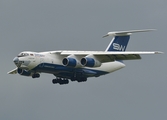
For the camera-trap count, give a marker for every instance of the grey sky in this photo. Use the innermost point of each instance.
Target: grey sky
(137, 92)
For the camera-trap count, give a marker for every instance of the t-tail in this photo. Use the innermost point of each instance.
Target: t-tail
(120, 39)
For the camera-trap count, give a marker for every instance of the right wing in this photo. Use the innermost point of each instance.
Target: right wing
(14, 71)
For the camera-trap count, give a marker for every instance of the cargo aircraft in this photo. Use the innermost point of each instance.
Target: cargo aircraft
(79, 65)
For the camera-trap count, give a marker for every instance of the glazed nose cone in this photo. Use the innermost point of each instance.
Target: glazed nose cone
(16, 61)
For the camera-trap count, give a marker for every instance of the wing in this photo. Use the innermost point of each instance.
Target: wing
(103, 56)
(14, 71)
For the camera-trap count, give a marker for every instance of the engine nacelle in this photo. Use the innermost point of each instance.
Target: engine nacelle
(90, 62)
(71, 62)
(23, 72)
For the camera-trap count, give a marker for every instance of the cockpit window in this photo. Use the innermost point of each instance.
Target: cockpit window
(23, 54)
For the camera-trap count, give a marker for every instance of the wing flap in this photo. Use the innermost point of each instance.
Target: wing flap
(109, 58)
(127, 57)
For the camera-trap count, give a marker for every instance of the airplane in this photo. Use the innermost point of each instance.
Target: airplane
(79, 65)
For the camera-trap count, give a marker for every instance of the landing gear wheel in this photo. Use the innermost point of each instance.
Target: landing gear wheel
(37, 75)
(82, 79)
(54, 81)
(60, 81)
(73, 79)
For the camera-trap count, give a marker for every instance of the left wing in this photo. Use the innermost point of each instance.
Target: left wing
(104, 56)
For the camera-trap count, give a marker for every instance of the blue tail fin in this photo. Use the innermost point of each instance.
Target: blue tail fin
(118, 43)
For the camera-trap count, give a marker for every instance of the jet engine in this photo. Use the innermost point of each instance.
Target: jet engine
(23, 72)
(71, 62)
(90, 62)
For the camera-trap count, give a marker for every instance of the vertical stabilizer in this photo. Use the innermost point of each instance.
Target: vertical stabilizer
(118, 43)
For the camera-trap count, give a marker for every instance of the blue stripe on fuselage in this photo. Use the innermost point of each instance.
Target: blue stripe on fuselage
(63, 71)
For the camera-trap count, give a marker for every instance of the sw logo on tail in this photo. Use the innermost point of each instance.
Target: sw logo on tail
(118, 47)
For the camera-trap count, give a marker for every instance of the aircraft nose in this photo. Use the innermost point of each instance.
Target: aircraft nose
(16, 60)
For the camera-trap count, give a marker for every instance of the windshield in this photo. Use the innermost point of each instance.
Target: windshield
(23, 54)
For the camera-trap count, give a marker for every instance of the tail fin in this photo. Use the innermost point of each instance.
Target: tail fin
(118, 43)
(121, 39)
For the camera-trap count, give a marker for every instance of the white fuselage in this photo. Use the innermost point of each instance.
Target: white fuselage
(46, 62)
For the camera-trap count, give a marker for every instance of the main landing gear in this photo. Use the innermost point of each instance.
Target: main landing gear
(79, 79)
(63, 81)
(60, 81)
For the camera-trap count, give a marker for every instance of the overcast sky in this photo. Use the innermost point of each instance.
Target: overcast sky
(136, 92)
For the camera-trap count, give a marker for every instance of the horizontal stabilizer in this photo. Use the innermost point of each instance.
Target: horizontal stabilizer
(125, 33)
